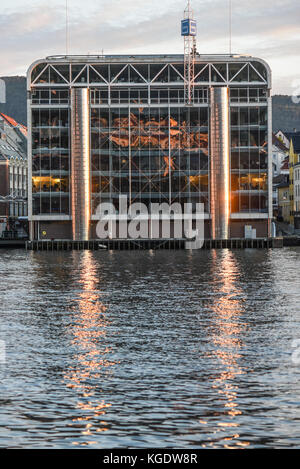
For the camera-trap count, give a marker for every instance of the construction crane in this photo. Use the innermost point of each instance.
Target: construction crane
(189, 32)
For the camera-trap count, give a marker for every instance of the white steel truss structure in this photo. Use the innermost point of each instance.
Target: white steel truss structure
(242, 71)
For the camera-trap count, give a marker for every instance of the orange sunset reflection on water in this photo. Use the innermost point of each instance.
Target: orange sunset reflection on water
(91, 362)
(227, 338)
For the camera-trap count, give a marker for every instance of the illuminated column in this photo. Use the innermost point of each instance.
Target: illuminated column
(80, 163)
(219, 162)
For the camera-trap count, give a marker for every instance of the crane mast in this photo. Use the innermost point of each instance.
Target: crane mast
(189, 32)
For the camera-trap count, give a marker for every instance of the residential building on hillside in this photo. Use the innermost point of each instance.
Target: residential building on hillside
(279, 153)
(297, 196)
(14, 133)
(13, 168)
(283, 189)
(277, 181)
(279, 161)
(285, 136)
(294, 154)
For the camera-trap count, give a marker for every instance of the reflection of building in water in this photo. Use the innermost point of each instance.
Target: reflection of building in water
(145, 142)
(91, 363)
(227, 334)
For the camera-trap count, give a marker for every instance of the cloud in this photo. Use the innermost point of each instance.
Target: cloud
(269, 29)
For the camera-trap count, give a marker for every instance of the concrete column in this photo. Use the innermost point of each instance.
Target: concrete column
(219, 162)
(80, 164)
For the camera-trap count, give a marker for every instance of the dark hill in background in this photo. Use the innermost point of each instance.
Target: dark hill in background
(286, 114)
(15, 105)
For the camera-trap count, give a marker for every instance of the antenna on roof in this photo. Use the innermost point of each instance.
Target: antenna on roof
(230, 27)
(67, 29)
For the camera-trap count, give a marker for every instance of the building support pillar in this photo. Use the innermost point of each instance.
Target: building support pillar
(219, 162)
(80, 164)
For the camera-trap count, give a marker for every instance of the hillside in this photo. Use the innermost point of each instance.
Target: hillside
(286, 114)
(15, 98)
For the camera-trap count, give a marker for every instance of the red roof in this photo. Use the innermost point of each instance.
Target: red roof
(12, 121)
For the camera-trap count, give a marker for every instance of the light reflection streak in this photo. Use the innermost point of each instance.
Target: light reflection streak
(227, 339)
(91, 357)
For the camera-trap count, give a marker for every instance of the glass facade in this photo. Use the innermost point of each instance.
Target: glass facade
(249, 158)
(50, 161)
(144, 141)
(152, 154)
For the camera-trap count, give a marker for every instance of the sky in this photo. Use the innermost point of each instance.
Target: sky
(269, 29)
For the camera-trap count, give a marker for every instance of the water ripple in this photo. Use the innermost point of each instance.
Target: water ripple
(149, 349)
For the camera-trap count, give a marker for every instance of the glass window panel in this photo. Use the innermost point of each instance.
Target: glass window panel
(235, 138)
(222, 69)
(55, 77)
(243, 75)
(235, 160)
(244, 160)
(36, 207)
(143, 69)
(254, 203)
(64, 204)
(203, 116)
(174, 76)
(115, 69)
(124, 76)
(234, 69)
(235, 183)
(94, 76)
(36, 71)
(253, 95)
(254, 159)
(215, 77)
(263, 115)
(244, 116)
(263, 203)
(78, 70)
(45, 205)
(180, 69)
(159, 72)
(244, 203)
(45, 76)
(243, 95)
(263, 138)
(115, 96)
(254, 138)
(244, 138)
(103, 70)
(253, 75)
(234, 116)
(203, 75)
(173, 96)
(263, 159)
(261, 69)
(235, 203)
(254, 116)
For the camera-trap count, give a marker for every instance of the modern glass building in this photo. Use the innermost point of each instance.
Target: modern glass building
(101, 126)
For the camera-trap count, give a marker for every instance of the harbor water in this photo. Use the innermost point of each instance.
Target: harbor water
(145, 349)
